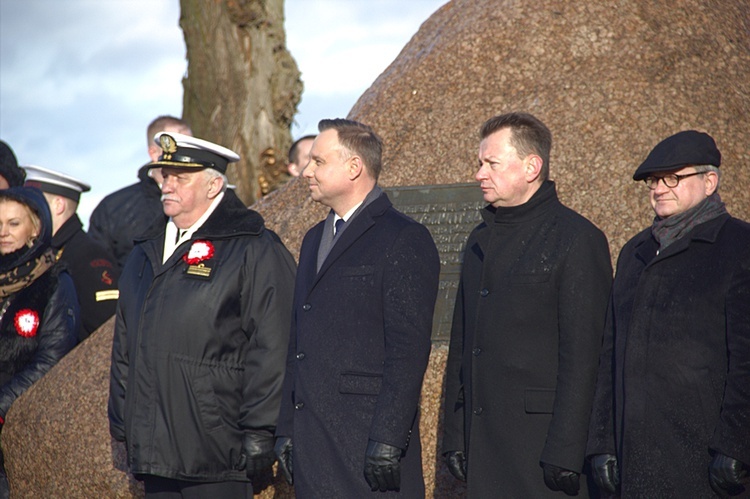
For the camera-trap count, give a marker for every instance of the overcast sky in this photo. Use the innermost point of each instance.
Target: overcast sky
(81, 79)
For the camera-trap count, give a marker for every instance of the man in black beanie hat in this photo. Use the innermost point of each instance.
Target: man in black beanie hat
(10, 174)
(671, 413)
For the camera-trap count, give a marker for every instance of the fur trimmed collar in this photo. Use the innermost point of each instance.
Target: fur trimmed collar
(230, 218)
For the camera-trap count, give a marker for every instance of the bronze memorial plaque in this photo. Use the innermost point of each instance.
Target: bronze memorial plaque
(450, 212)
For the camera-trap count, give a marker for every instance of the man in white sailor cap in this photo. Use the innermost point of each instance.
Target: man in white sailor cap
(90, 265)
(124, 215)
(201, 334)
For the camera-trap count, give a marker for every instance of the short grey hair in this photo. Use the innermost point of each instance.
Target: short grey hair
(710, 168)
(212, 174)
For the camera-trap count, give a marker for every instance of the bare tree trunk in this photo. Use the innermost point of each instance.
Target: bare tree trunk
(242, 86)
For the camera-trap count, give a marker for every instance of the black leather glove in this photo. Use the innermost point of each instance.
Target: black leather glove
(725, 475)
(456, 461)
(283, 451)
(556, 478)
(606, 472)
(382, 466)
(257, 454)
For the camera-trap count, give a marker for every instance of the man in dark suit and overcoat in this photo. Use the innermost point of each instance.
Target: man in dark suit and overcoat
(360, 338)
(527, 326)
(671, 415)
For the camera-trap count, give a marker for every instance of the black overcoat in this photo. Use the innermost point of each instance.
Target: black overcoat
(524, 345)
(677, 339)
(199, 350)
(358, 350)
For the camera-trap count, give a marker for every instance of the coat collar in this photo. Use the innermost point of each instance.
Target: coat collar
(66, 231)
(230, 219)
(707, 232)
(359, 225)
(542, 201)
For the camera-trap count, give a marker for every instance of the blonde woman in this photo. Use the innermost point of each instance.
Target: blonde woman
(39, 317)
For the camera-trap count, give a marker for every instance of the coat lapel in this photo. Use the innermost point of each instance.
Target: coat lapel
(707, 232)
(359, 225)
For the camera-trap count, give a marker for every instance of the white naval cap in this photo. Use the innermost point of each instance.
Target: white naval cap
(54, 182)
(185, 151)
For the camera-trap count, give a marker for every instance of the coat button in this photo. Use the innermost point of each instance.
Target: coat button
(484, 292)
(476, 352)
(306, 307)
(299, 405)
(300, 355)
(478, 411)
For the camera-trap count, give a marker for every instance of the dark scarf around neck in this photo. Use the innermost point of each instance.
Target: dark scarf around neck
(670, 229)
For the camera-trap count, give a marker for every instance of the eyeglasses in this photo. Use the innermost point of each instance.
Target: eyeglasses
(672, 180)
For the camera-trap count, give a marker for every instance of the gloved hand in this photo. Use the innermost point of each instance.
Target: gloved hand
(283, 451)
(725, 474)
(556, 478)
(606, 472)
(456, 461)
(382, 466)
(257, 453)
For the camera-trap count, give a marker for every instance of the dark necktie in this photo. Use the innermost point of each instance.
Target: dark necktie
(337, 226)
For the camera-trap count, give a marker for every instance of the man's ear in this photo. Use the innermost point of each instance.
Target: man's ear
(154, 152)
(533, 167)
(214, 187)
(354, 167)
(712, 182)
(58, 205)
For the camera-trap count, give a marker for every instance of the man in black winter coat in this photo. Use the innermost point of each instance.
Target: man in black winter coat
(126, 215)
(201, 334)
(527, 326)
(92, 268)
(671, 415)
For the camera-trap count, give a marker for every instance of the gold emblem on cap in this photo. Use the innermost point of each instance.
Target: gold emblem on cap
(168, 146)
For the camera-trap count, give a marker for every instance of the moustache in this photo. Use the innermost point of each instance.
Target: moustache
(167, 197)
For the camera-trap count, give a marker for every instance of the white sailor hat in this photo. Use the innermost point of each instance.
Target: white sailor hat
(54, 182)
(184, 151)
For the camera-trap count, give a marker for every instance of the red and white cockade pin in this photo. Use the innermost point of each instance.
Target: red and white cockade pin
(27, 322)
(199, 252)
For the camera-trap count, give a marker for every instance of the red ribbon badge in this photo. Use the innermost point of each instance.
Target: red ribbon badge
(27, 322)
(199, 252)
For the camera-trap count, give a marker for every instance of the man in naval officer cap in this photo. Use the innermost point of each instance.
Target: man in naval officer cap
(671, 414)
(201, 334)
(89, 263)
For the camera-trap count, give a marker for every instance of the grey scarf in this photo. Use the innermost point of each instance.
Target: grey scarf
(670, 229)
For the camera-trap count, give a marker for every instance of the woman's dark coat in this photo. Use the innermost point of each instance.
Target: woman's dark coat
(678, 342)
(524, 345)
(25, 360)
(52, 296)
(358, 350)
(198, 358)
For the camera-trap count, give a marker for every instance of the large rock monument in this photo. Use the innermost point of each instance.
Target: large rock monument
(610, 78)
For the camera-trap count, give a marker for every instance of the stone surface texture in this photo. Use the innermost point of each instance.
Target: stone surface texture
(610, 78)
